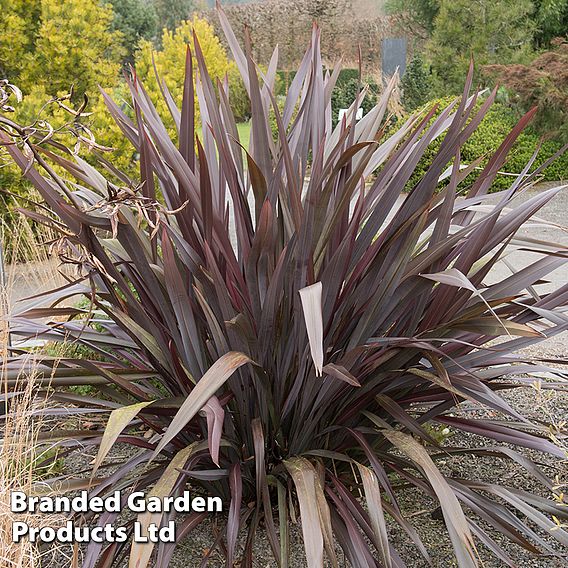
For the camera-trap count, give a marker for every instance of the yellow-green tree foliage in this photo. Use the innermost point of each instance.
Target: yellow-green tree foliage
(48, 47)
(170, 63)
(18, 25)
(170, 60)
(75, 45)
(59, 43)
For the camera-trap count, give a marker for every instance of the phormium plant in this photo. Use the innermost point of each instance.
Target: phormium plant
(285, 331)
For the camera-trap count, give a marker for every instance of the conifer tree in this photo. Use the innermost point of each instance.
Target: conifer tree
(415, 84)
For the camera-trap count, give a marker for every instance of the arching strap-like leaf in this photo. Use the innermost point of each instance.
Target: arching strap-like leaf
(374, 504)
(304, 475)
(486, 325)
(215, 415)
(140, 552)
(118, 420)
(311, 304)
(206, 387)
(283, 519)
(233, 522)
(341, 373)
(454, 517)
(453, 277)
(325, 521)
(262, 490)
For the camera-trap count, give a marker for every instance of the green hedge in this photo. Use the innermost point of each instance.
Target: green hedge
(347, 75)
(492, 130)
(344, 94)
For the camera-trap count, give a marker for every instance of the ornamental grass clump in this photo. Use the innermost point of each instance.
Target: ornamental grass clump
(280, 328)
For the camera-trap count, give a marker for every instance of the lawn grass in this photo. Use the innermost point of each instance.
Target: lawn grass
(243, 129)
(244, 133)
